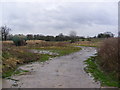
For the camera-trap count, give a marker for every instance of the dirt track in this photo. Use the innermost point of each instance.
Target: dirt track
(61, 72)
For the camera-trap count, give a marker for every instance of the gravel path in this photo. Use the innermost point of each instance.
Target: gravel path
(60, 72)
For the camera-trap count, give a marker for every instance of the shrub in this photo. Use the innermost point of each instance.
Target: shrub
(19, 40)
(108, 55)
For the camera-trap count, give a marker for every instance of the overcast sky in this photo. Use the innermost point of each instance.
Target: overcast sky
(51, 17)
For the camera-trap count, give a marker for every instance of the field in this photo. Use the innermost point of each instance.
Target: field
(103, 67)
(13, 56)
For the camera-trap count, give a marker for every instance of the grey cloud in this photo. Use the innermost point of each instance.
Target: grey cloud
(85, 13)
(52, 18)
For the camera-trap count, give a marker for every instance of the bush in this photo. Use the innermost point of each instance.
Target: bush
(19, 40)
(108, 55)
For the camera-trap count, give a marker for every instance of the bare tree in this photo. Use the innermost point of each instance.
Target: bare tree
(73, 34)
(4, 32)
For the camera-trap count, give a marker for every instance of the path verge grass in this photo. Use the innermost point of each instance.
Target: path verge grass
(106, 79)
(14, 71)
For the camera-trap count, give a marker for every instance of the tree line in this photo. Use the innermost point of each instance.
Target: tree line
(5, 35)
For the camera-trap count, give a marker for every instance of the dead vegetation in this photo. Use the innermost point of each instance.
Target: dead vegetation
(108, 54)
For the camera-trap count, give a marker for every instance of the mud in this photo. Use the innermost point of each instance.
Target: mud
(60, 72)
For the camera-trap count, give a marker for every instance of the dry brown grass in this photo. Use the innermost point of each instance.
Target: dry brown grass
(28, 41)
(37, 42)
(7, 42)
(47, 44)
(14, 55)
(108, 55)
(88, 43)
(34, 41)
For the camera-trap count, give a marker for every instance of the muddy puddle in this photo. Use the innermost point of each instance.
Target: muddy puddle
(43, 52)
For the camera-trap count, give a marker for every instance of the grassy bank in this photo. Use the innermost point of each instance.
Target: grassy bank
(13, 56)
(106, 79)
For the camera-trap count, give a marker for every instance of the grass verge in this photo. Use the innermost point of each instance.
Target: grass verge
(106, 79)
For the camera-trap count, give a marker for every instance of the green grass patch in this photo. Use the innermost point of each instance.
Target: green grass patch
(19, 71)
(61, 50)
(13, 72)
(45, 57)
(8, 73)
(6, 55)
(55, 49)
(67, 51)
(105, 78)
